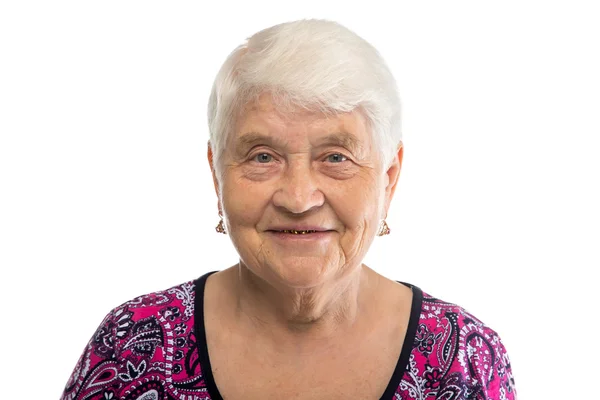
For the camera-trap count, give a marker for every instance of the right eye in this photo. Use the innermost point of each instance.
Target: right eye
(263, 158)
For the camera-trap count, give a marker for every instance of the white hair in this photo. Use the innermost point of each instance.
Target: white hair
(311, 64)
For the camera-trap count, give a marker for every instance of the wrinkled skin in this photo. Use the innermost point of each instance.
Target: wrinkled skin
(296, 170)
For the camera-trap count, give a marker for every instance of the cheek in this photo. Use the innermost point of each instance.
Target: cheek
(356, 203)
(243, 201)
(357, 208)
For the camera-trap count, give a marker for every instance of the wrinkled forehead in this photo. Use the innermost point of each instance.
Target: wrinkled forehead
(281, 110)
(266, 117)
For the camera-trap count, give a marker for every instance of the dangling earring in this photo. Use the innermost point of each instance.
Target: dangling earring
(221, 227)
(384, 229)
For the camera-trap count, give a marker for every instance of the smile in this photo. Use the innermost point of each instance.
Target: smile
(295, 232)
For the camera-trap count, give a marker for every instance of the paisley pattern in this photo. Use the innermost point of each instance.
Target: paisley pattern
(455, 356)
(146, 349)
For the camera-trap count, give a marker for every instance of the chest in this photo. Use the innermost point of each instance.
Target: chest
(362, 372)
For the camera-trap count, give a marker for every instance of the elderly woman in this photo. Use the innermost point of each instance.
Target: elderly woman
(305, 153)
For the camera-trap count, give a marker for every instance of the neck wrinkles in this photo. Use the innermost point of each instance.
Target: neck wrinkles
(316, 315)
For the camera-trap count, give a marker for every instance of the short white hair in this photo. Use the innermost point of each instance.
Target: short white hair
(311, 64)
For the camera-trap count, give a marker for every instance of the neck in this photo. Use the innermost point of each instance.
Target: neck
(295, 316)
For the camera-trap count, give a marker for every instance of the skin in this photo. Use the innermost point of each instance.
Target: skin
(296, 170)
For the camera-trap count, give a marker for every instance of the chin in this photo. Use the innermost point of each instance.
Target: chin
(302, 274)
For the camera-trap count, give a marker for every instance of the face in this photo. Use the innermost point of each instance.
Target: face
(302, 194)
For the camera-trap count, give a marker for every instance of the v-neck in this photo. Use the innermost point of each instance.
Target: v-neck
(388, 394)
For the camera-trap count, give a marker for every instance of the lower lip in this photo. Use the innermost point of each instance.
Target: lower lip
(301, 237)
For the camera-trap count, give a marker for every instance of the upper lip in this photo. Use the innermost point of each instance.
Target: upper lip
(298, 228)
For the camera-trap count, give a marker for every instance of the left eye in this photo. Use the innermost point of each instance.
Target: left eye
(263, 158)
(336, 158)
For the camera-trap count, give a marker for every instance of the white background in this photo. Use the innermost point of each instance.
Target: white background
(105, 192)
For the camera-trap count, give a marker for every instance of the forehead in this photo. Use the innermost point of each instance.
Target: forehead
(265, 117)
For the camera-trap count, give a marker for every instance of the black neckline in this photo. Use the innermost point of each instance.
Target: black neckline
(211, 386)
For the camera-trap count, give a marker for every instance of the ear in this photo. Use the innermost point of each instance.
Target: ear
(392, 175)
(210, 157)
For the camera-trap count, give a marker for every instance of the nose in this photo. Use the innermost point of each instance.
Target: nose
(298, 191)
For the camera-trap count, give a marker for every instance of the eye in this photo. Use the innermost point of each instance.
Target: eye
(263, 158)
(336, 158)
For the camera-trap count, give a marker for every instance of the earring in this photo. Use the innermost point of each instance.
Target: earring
(221, 227)
(384, 229)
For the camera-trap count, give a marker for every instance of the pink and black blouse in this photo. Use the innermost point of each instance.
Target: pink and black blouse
(154, 348)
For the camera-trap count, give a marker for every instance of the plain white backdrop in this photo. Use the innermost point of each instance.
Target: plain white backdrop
(105, 191)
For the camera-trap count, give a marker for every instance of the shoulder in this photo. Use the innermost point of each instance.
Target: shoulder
(437, 313)
(148, 340)
(175, 304)
(171, 303)
(455, 350)
(145, 322)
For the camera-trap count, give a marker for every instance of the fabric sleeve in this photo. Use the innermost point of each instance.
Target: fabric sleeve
(95, 374)
(489, 367)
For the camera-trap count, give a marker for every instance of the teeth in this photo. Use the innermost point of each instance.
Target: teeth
(298, 232)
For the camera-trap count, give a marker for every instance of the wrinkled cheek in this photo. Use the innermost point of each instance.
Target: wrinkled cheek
(243, 207)
(248, 244)
(360, 229)
(243, 204)
(241, 226)
(350, 242)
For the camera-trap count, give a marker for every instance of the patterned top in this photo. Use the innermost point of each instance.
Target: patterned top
(154, 347)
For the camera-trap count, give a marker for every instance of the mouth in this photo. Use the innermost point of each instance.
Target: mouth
(297, 235)
(297, 232)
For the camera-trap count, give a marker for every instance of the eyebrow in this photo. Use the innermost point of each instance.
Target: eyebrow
(340, 139)
(251, 139)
